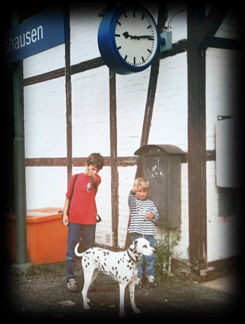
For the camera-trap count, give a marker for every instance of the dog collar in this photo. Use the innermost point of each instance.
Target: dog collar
(131, 258)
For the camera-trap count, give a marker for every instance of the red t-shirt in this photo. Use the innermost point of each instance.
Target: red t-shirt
(82, 208)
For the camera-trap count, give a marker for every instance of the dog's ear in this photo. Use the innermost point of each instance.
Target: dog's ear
(133, 245)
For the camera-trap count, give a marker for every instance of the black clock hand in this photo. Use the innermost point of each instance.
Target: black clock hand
(149, 37)
(145, 36)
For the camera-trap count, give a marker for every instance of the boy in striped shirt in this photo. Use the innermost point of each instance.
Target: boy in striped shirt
(143, 215)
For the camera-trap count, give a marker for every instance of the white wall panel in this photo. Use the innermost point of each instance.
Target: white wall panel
(169, 120)
(45, 119)
(84, 26)
(131, 100)
(90, 112)
(221, 231)
(43, 62)
(222, 69)
(45, 187)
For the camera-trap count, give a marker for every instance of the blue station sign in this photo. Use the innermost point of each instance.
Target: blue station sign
(36, 34)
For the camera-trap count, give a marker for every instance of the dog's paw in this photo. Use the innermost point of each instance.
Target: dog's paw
(121, 314)
(86, 305)
(136, 310)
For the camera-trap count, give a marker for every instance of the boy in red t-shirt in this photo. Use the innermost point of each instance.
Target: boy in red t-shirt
(80, 201)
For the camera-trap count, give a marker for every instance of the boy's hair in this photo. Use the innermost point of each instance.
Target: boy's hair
(143, 182)
(96, 159)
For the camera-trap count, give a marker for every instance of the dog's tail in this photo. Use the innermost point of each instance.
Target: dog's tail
(77, 253)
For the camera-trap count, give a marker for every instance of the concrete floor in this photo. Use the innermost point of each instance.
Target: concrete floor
(230, 284)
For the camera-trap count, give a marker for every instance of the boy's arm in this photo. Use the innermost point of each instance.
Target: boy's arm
(65, 219)
(131, 199)
(154, 215)
(93, 179)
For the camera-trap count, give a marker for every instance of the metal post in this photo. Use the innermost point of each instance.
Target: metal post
(19, 165)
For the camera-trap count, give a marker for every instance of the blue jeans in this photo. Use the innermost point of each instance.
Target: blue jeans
(75, 232)
(148, 259)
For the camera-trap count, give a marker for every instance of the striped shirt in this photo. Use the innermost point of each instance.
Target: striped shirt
(138, 209)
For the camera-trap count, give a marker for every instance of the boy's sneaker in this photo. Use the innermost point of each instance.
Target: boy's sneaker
(151, 282)
(138, 283)
(71, 285)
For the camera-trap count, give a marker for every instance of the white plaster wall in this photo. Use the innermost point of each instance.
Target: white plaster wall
(45, 187)
(182, 249)
(90, 112)
(230, 27)
(45, 119)
(131, 99)
(43, 62)
(221, 230)
(84, 24)
(177, 21)
(222, 69)
(169, 120)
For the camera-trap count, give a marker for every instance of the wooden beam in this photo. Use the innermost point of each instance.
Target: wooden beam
(225, 43)
(113, 151)
(208, 25)
(162, 17)
(68, 110)
(44, 77)
(196, 143)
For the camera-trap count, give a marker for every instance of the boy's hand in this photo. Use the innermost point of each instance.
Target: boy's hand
(134, 190)
(149, 216)
(65, 220)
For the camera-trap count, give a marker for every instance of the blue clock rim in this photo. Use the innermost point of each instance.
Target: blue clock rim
(107, 44)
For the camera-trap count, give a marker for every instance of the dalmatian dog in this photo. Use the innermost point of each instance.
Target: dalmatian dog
(121, 266)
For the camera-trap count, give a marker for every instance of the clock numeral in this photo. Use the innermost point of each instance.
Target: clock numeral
(142, 18)
(148, 27)
(134, 60)
(125, 57)
(149, 50)
(143, 59)
(134, 13)
(125, 15)
(117, 35)
(119, 47)
(118, 22)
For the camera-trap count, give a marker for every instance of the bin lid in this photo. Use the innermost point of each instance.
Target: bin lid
(155, 149)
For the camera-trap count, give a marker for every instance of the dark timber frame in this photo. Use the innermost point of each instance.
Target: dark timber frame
(200, 29)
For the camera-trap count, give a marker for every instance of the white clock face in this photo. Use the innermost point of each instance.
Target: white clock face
(136, 37)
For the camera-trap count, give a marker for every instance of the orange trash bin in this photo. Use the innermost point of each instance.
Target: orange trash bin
(46, 235)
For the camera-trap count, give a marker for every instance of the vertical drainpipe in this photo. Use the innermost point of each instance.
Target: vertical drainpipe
(19, 159)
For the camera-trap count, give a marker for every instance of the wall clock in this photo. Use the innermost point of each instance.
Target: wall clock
(128, 39)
